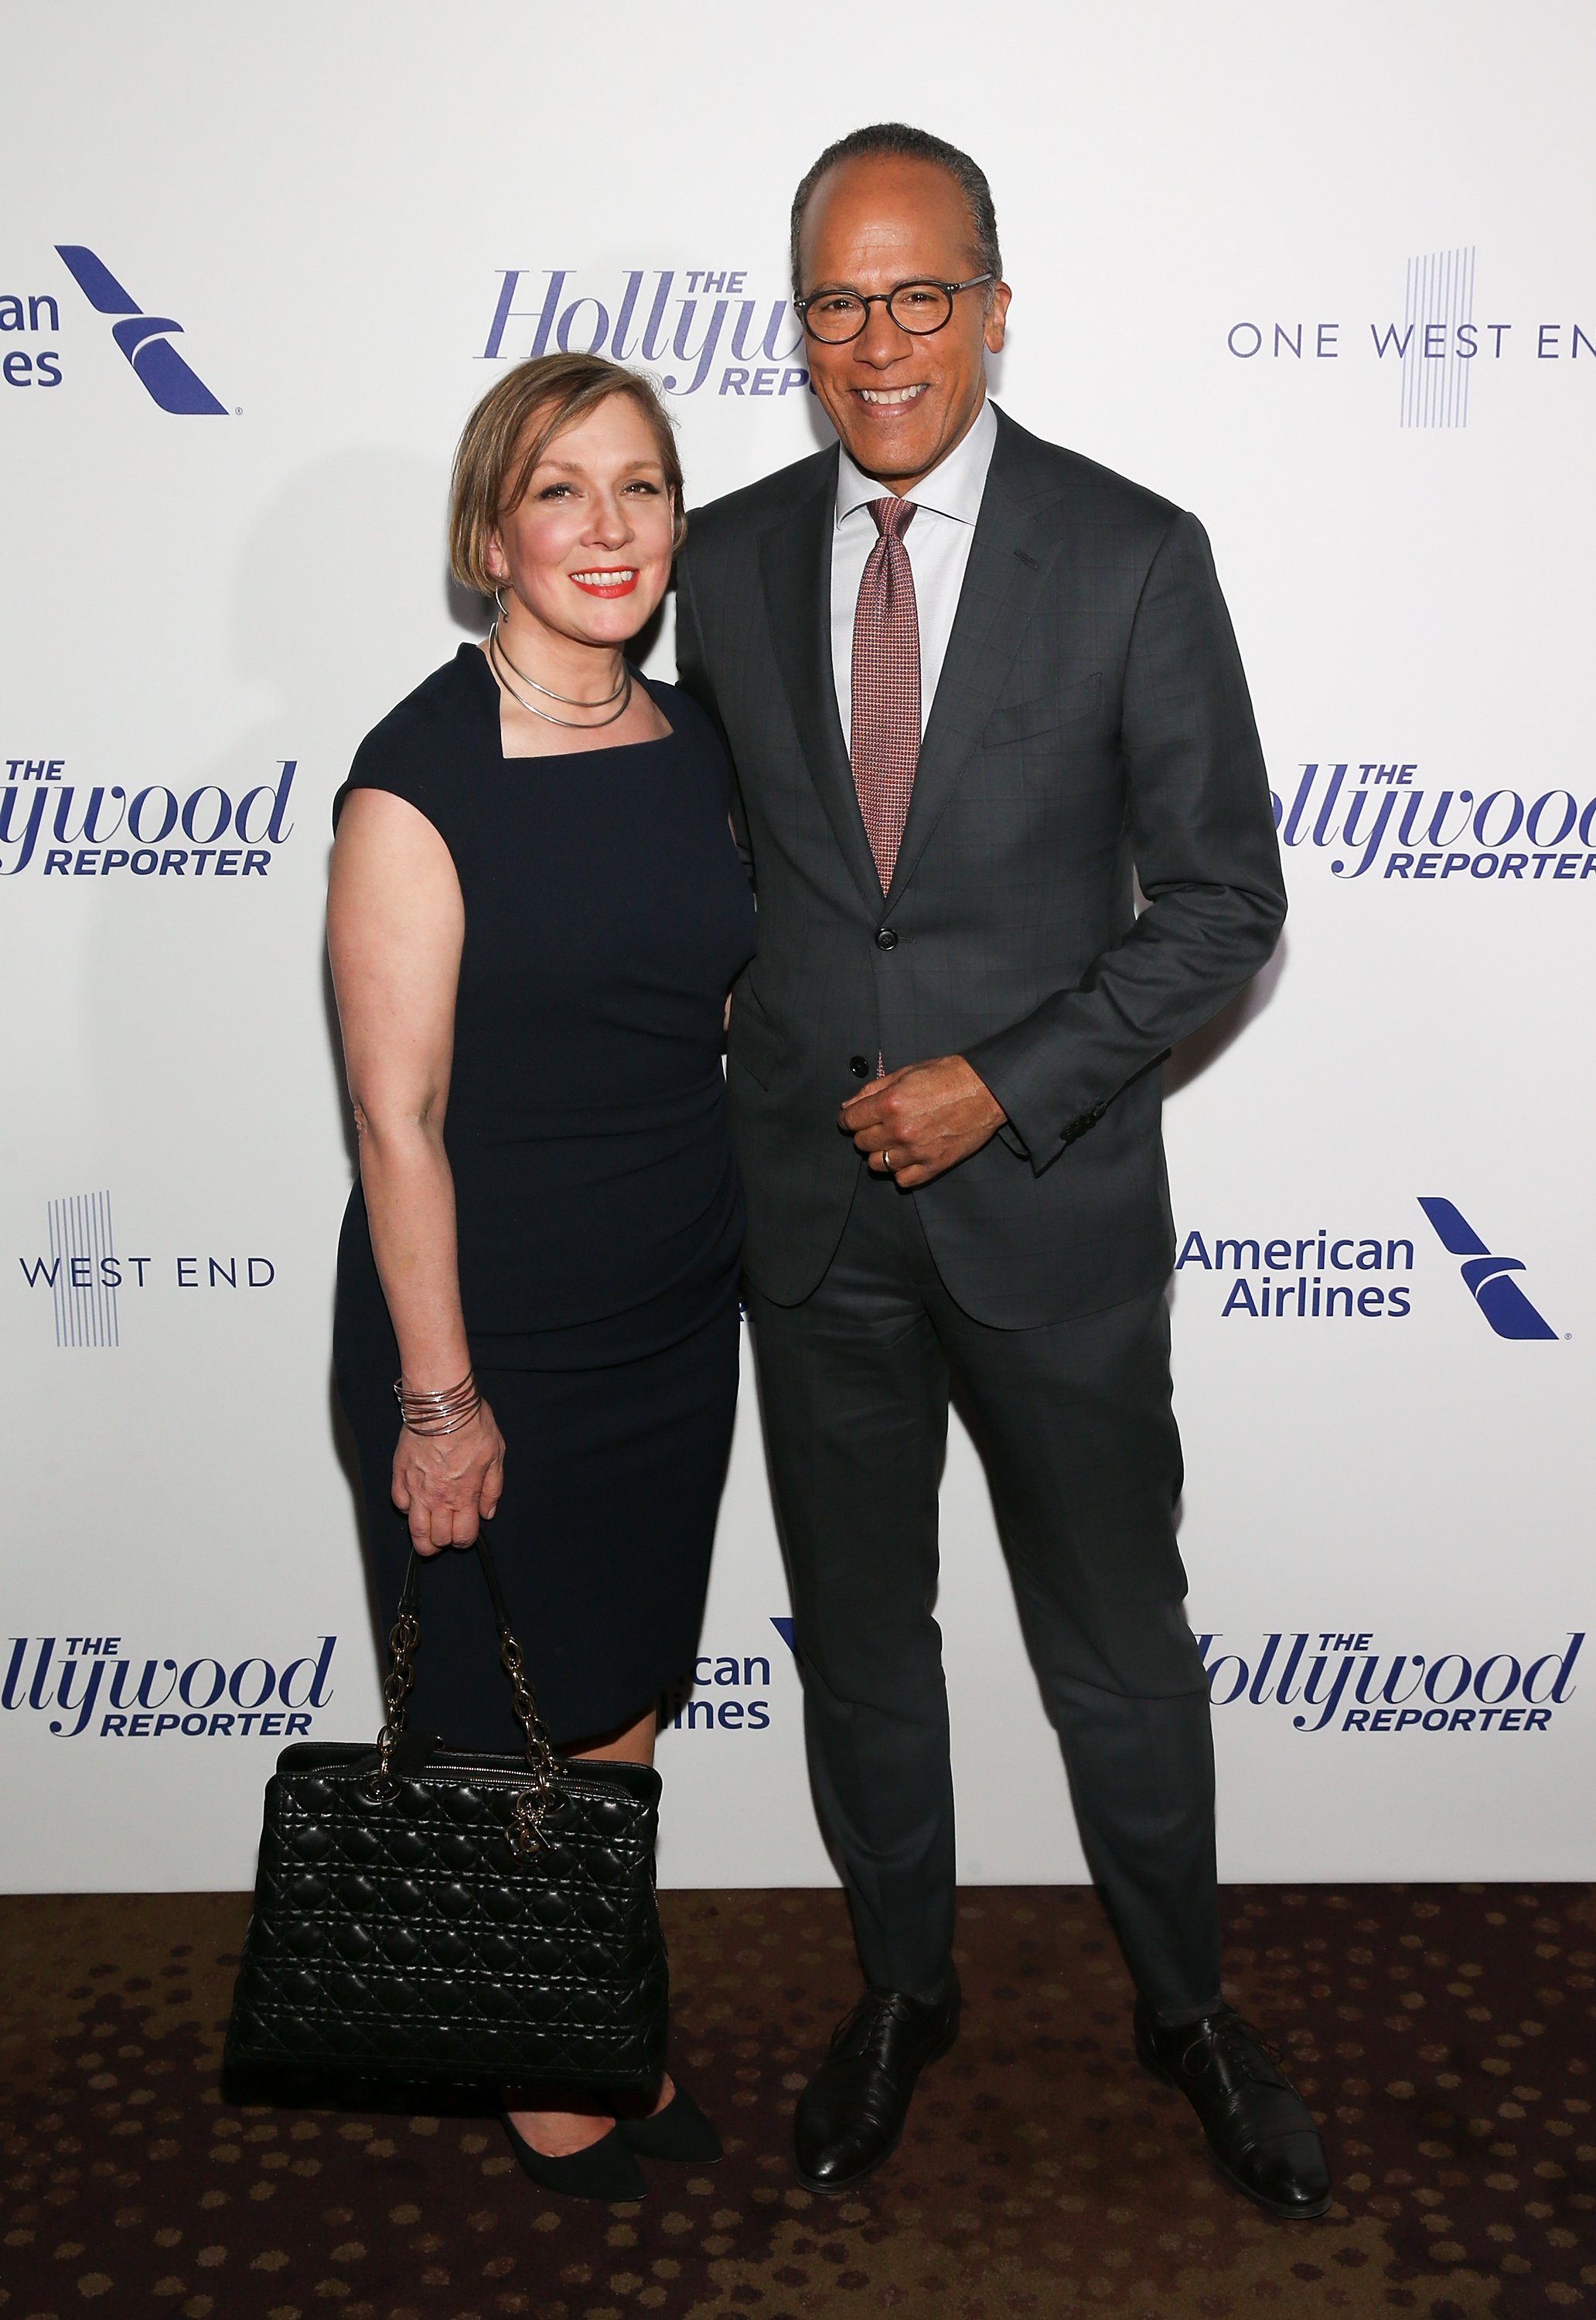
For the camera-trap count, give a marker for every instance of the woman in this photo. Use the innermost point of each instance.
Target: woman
(535, 916)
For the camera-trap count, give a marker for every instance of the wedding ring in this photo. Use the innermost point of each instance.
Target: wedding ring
(886, 1161)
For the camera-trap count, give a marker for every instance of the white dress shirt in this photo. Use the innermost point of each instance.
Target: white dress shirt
(937, 540)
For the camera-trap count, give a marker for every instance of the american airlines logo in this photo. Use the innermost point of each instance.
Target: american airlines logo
(1332, 1274)
(1486, 1277)
(146, 339)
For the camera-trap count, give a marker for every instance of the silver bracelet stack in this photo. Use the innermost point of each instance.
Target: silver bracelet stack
(438, 1413)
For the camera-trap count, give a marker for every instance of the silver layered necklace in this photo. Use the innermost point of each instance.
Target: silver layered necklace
(622, 693)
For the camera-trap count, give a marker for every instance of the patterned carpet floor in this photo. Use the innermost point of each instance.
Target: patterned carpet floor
(1445, 2035)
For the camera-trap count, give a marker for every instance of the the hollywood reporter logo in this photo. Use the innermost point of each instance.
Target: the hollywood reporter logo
(1386, 819)
(1343, 1681)
(683, 321)
(53, 824)
(81, 1684)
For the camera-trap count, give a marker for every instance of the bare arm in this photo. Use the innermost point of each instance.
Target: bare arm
(394, 927)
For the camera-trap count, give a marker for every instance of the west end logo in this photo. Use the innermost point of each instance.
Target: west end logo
(85, 1275)
(1434, 353)
(687, 321)
(1329, 1276)
(146, 339)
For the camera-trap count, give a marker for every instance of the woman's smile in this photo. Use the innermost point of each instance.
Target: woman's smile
(613, 580)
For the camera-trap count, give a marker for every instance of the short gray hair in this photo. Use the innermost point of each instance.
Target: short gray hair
(896, 140)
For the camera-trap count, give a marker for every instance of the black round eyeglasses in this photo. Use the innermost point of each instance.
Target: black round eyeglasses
(920, 308)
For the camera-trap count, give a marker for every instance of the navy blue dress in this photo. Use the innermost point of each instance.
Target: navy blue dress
(598, 1210)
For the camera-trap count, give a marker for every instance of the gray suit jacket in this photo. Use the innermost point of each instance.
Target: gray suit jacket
(1092, 722)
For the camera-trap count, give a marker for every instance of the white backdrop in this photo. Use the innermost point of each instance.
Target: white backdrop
(1325, 278)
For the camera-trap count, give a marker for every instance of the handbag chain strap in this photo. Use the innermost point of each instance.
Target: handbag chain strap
(537, 1803)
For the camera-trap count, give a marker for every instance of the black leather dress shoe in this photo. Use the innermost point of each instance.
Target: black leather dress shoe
(1259, 2129)
(850, 2116)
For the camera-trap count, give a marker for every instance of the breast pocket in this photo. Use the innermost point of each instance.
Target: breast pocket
(1027, 720)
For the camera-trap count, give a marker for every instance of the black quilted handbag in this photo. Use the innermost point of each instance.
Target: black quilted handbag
(429, 1922)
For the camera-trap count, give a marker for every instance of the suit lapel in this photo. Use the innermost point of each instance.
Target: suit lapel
(796, 559)
(1009, 559)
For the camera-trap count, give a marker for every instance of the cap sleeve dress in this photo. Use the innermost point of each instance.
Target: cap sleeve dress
(598, 1212)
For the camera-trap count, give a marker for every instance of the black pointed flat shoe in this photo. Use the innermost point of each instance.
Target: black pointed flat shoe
(605, 2171)
(679, 2131)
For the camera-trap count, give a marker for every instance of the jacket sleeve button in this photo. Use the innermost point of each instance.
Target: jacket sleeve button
(858, 1067)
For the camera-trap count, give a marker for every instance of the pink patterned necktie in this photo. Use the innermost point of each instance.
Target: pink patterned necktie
(885, 740)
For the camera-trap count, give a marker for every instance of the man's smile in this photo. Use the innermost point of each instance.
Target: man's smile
(891, 394)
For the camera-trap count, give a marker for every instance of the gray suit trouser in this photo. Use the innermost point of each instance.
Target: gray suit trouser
(1074, 1426)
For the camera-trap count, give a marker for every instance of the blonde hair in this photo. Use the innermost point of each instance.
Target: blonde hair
(511, 430)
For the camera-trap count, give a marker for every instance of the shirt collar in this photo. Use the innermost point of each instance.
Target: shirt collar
(953, 488)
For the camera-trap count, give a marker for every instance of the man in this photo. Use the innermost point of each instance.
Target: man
(972, 684)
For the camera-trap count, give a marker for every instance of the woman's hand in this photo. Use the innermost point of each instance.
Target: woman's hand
(448, 1484)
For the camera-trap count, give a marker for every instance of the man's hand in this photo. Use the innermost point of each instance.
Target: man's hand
(914, 1123)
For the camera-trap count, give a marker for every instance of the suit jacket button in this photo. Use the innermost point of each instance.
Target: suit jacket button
(886, 939)
(858, 1067)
